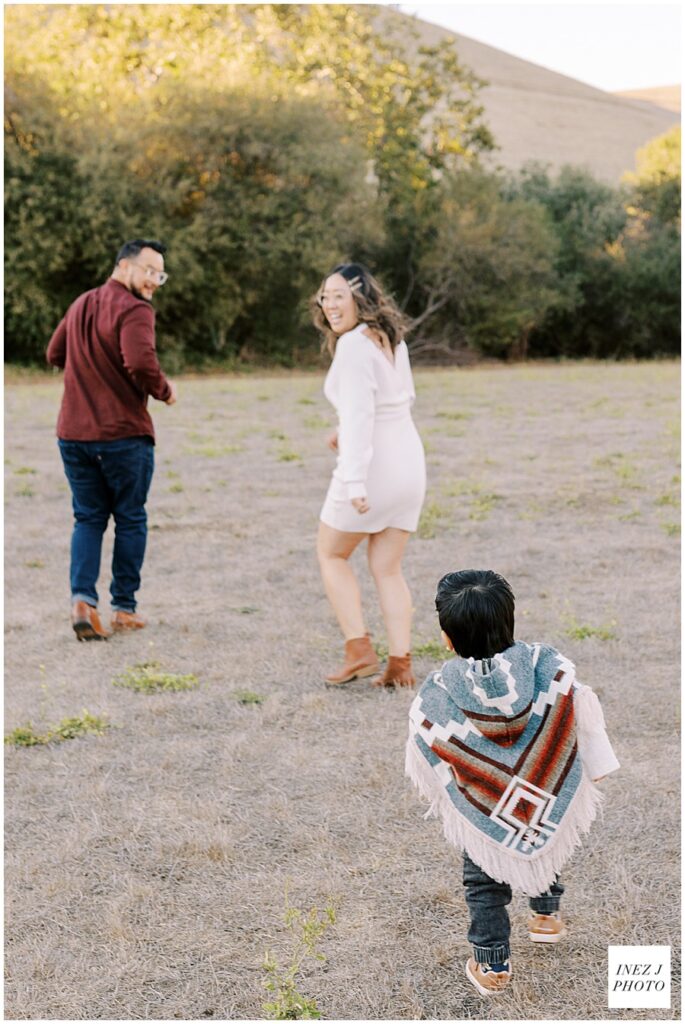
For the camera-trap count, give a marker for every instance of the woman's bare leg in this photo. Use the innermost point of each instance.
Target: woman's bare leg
(333, 548)
(385, 562)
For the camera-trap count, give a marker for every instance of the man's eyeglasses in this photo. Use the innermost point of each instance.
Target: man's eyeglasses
(160, 276)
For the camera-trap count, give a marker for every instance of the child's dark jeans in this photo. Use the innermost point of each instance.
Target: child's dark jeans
(487, 901)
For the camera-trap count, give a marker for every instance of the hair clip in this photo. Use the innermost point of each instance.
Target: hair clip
(355, 284)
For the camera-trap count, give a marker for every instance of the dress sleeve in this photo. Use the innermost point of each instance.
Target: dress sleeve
(594, 747)
(407, 374)
(356, 406)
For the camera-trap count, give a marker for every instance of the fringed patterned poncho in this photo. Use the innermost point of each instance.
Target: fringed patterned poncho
(492, 744)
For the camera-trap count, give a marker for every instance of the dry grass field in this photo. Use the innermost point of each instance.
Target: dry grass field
(147, 867)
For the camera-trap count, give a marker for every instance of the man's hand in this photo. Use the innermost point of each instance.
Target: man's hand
(361, 505)
(332, 441)
(174, 394)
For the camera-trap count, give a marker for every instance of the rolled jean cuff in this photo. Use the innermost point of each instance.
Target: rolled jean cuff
(87, 598)
(545, 904)
(121, 608)
(491, 954)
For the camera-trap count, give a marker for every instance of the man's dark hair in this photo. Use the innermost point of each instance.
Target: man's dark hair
(476, 611)
(136, 245)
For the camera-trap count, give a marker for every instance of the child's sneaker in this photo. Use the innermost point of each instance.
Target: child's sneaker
(488, 978)
(546, 927)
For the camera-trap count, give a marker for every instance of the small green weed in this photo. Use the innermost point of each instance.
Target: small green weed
(248, 697)
(316, 422)
(209, 451)
(668, 499)
(431, 649)
(454, 415)
(672, 529)
(580, 631)
(306, 401)
(176, 489)
(307, 929)
(148, 677)
(432, 519)
(25, 470)
(35, 563)
(289, 456)
(67, 729)
(621, 465)
(482, 501)
(381, 650)
(25, 492)
(25, 736)
(278, 435)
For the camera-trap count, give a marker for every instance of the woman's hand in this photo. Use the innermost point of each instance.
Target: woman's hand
(332, 441)
(361, 504)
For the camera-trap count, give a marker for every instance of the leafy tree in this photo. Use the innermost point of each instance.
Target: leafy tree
(656, 181)
(588, 217)
(486, 279)
(337, 106)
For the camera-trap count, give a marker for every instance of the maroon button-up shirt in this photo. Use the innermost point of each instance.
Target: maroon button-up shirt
(106, 346)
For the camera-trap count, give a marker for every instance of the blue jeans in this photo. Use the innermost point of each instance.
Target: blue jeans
(487, 901)
(108, 478)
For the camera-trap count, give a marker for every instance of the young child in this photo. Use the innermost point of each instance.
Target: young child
(507, 747)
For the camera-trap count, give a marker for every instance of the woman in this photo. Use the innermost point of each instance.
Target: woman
(379, 481)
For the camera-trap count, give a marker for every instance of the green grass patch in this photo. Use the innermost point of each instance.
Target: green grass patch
(35, 563)
(481, 502)
(248, 697)
(316, 422)
(443, 415)
(209, 451)
(306, 401)
(67, 729)
(581, 631)
(668, 499)
(672, 529)
(149, 677)
(433, 518)
(176, 488)
(289, 456)
(25, 471)
(25, 492)
(431, 649)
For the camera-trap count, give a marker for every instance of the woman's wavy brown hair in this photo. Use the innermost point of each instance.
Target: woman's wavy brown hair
(373, 306)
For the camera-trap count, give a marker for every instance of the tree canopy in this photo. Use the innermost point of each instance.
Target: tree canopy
(263, 143)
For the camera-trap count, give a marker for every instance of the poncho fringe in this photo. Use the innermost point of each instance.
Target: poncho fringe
(531, 876)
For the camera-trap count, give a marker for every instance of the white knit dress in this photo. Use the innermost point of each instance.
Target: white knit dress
(380, 454)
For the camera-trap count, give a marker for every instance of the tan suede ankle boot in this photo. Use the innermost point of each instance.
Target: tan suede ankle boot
(360, 661)
(398, 672)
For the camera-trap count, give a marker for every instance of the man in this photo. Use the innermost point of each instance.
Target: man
(106, 346)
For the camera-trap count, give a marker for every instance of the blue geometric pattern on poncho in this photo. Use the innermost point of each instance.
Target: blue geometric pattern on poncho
(499, 736)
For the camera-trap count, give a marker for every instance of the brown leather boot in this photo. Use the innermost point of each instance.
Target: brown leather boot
(123, 622)
(360, 661)
(86, 622)
(398, 672)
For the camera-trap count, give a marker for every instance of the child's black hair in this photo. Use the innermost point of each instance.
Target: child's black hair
(476, 611)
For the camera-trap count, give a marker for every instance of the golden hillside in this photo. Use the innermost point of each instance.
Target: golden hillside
(537, 114)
